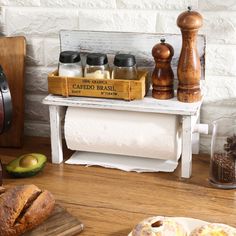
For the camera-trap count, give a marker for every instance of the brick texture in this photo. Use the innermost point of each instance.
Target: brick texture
(36, 79)
(34, 109)
(98, 4)
(221, 60)
(108, 20)
(40, 22)
(228, 5)
(37, 128)
(220, 27)
(51, 51)
(35, 52)
(219, 89)
(21, 3)
(156, 4)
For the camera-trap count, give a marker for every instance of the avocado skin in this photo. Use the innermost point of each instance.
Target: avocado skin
(27, 172)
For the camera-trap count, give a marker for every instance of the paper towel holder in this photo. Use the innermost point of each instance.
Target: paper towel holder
(190, 118)
(189, 114)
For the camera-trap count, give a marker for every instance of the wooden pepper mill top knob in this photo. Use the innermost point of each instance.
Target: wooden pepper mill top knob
(162, 51)
(189, 20)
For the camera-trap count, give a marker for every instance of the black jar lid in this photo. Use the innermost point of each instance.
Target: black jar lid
(124, 60)
(96, 59)
(69, 57)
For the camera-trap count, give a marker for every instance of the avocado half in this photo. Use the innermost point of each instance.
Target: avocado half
(26, 165)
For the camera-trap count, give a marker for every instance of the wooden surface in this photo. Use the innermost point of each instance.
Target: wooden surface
(101, 88)
(12, 55)
(148, 104)
(59, 223)
(110, 202)
(138, 44)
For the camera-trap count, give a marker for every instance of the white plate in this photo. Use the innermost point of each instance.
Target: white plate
(189, 223)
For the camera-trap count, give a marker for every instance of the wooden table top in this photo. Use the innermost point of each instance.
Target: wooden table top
(110, 202)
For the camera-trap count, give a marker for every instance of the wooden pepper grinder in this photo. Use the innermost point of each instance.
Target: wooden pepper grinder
(189, 67)
(163, 76)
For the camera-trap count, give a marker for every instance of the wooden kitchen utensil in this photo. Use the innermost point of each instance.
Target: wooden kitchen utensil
(12, 60)
(60, 223)
(163, 76)
(189, 67)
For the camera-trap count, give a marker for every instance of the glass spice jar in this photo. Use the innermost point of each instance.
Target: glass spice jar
(124, 67)
(70, 64)
(97, 66)
(223, 153)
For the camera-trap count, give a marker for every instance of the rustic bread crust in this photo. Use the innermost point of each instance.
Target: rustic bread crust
(22, 208)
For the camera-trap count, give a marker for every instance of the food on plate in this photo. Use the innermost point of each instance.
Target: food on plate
(214, 230)
(159, 226)
(26, 165)
(22, 208)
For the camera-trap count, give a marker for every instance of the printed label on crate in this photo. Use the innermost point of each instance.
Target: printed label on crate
(94, 85)
(83, 87)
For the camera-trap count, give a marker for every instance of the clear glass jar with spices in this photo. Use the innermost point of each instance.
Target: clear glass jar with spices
(124, 67)
(97, 66)
(223, 153)
(70, 64)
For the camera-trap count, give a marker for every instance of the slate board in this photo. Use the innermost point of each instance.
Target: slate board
(60, 223)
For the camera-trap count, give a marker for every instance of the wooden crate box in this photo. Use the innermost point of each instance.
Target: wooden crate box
(103, 88)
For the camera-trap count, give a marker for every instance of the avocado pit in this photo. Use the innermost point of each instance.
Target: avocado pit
(28, 161)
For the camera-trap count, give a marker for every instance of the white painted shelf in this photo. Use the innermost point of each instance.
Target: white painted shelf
(148, 104)
(188, 111)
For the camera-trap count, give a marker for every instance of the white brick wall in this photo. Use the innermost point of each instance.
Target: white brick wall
(125, 20)
(41, 20)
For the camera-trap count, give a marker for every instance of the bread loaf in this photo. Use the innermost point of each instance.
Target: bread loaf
(22, 208)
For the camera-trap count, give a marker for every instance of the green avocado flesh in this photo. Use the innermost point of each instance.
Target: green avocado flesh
(27, 165)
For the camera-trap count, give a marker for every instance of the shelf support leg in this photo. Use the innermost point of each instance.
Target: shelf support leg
(196, 135)
(56, 136)
(186, 160)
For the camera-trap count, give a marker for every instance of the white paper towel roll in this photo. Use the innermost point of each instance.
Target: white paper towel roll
(122, 132)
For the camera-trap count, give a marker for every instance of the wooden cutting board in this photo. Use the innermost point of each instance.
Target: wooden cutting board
(60, 223)
(12, 60)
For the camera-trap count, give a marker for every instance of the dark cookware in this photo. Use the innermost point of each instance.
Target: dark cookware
(5, 103)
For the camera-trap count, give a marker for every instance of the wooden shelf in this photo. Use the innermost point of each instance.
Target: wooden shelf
(148, 104)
